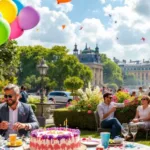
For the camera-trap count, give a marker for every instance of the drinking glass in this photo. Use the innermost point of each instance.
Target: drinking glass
(105, 136)
(125, 132)
(133, 130)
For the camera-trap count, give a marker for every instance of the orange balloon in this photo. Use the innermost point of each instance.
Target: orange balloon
(63, 1)
(63, 26)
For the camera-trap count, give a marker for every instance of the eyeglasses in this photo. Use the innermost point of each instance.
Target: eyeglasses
(110, 97)
(8, 96)
(143, 99)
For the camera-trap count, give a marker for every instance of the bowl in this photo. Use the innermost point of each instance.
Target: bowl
(118, 140)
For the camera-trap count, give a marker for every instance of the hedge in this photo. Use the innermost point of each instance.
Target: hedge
(83, 120)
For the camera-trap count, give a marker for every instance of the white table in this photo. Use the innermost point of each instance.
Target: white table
(137, 147)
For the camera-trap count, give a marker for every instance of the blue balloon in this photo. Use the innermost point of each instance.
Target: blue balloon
(1, 15)
(19, 5)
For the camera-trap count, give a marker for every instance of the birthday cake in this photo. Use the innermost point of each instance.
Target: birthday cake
(55, 139)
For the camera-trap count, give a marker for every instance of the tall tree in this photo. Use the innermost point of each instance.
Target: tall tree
(111, 71)
(9, 61)
(61, 65)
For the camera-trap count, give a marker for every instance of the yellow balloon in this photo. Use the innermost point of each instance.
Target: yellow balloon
(8, 9)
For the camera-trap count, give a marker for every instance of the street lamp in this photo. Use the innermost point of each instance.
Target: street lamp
(42, 68)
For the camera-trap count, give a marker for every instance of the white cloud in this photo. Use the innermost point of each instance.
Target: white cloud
(64, 7)
(33, 3)
(103, 1)
(132, 24)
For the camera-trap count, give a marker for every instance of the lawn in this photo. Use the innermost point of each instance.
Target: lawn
(94, 134)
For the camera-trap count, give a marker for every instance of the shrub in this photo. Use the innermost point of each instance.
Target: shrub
(80, 120)
(34, 107)
(32, 100)
(113, 86)
(88, 100)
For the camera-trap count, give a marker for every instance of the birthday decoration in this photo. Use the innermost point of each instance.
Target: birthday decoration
(4, 30)
(28, 18)
(143, 39)
(63, 1)
(63, 26)
(9, 10)
(15, 18)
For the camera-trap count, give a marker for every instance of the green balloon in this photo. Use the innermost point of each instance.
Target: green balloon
(4, 30)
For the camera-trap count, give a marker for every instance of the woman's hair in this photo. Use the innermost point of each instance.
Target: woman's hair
(146, 98)
(12, 87)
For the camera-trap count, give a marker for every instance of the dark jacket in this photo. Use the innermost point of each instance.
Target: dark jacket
(25, 115)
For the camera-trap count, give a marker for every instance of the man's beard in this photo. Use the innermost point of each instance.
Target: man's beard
(10, 104)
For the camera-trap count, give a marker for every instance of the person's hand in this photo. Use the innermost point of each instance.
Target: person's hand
(113, 109)
(135, 120)
(17, 126)
(4, 125)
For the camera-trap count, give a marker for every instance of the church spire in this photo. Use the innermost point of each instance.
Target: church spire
(86, 48)
(97, 48)
(75, 51)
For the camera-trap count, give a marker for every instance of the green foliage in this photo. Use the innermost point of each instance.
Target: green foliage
(88, 100)
(61, 65)
(73, 84)
(112, 86)
(126, 114)
(33, 100)
(34, 107)
(112, 72)
(130, 79)
(34, 83)
(80, 120)
(9, 61)
(122, 96)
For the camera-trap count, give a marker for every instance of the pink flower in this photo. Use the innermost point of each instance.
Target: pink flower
(114, 99)
(126, 91)
(67, 105)
(89, 111)
(126, 101)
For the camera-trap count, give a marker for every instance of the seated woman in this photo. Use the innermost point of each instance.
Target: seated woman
(142, 117)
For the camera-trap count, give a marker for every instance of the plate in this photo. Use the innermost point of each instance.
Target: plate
(16, 145)
(90, 142)
(115, 144)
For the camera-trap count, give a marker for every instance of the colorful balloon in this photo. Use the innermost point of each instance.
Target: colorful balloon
(8, 9)
(4, 30)
(19, 5)
(63, 1)
(28, 18)
(16, 31)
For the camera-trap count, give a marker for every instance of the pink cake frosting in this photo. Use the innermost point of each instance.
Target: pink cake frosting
(55, 139)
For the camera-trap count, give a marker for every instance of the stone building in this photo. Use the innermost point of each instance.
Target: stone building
(91, 58)
(140, 69)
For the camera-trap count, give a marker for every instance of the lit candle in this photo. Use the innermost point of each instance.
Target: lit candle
(66, 123)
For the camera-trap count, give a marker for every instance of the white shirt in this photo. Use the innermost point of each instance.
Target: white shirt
(13, 118)
(143, 113)
(104, 108)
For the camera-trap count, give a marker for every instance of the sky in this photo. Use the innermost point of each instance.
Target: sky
(117, 26)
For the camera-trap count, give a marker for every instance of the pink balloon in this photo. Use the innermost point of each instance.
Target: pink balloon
(16, 31)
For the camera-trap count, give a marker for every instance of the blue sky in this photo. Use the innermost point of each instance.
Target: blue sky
(86, 9)
(121, 39)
